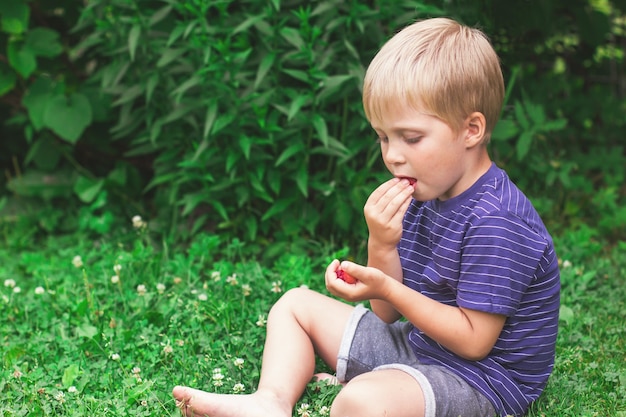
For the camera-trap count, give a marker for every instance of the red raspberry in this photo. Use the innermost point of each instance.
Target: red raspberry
(341, 274)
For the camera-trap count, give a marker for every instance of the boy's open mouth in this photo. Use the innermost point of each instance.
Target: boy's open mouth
(411, 181)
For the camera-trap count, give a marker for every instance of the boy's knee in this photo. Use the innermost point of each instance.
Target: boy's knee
(350, 401)
(291, 300)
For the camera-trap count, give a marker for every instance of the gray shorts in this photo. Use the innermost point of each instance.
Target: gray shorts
(369, 344)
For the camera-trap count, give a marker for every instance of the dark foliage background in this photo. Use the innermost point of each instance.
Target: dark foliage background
(244, 117)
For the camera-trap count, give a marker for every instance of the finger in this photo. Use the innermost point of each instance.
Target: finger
(330, 274)
(392, 202)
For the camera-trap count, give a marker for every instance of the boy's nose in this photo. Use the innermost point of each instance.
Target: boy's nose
(394, 154)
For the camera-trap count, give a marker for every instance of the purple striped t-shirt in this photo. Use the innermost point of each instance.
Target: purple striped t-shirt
(488, 250)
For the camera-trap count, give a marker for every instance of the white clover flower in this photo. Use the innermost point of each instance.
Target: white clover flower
(138, 222)
(324, 411)
(136, 370)
(39, 290)
(115, 357)
(180, 342)
(115, 279)
(276, 287)
(232, 279)
(60, 397)
(246, 289)
(141, 290)
(262, 321)
(17, 290)
(216, 276)
(238, 362)
(72, 390)
(144, 403)
(77, 261)
(160, 288)
(167, 349)
(567, 264)
(203, 297)
(9, 283)
(17, 374)
(238, 388)
(177, 280)
(117, 268)
(303, 410)
(218, 377)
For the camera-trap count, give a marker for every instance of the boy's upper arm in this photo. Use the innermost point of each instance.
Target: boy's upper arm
(486, 330)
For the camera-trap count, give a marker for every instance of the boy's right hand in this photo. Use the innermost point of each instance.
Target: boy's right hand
(384, 212)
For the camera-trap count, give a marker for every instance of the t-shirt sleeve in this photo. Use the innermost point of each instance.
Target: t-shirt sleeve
(500, 256)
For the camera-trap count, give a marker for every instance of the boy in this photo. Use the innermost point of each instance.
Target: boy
(454, 248)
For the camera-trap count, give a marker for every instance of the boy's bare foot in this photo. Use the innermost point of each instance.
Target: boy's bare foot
(196, 403)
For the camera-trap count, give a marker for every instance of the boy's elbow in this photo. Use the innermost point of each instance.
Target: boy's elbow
(473, 352)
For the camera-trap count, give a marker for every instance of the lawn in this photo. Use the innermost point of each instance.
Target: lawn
(107, 327)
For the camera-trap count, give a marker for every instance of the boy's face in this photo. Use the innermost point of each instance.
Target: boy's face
(419, 146)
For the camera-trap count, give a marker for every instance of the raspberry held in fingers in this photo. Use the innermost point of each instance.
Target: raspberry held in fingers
(343, 275)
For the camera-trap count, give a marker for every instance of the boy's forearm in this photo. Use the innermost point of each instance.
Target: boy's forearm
(386, 259)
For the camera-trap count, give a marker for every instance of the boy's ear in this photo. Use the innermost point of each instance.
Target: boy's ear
(475, 127)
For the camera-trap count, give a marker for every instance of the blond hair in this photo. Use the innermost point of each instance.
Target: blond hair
(438, 66)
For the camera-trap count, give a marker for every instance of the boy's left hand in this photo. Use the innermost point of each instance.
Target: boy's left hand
(371, 282)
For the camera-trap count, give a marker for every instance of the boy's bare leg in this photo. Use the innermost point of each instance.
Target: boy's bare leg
(388, 392)
(301, 324)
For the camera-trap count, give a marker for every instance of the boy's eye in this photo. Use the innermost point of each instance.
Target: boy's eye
(380, 139)
(413, 140)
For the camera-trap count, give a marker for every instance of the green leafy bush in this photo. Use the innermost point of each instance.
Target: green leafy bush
(244, 117)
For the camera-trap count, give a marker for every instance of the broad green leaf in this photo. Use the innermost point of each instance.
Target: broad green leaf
(523, 144)
(520, 115)
(69, 375)
(302, 180)
(151, 85)
(223, 121)
(43, 42)
(320, 127)
(554, 125)
(536, 113)
(292, 36)
(297, 74)
(14, 16)
(566, 314)
(129, 95)
(278, 207)
(247, 23)
(296, 105)
(36, 100)
(209, 119)
(133, 40)
(168, 56)
(276, 4)
(119, 174)
(331, 85)
(45, 153)
(293, 149)
(87, 189)
(69, 116)
(181, 89)
(22, 59)
(86, 330)
(137, 391)
(264, 67)
(159, 15)
(221, 210)
(246, 145)
(505, 129)
(7, 79)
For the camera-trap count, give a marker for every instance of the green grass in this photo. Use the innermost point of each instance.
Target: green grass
(76, 342)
